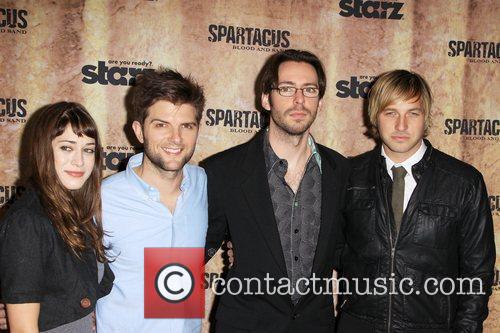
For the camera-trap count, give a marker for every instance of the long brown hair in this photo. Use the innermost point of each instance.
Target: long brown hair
(75, 214)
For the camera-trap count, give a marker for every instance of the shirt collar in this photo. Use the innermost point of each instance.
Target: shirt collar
(147, 191)
(408, 163)
(271, 157)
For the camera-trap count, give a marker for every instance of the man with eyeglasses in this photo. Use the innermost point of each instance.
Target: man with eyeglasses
(278, 198)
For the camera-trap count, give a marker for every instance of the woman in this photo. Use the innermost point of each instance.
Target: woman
(51, 238)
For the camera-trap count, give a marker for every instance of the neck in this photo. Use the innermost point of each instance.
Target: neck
(289, 147)
(401, 157)
(164, 181)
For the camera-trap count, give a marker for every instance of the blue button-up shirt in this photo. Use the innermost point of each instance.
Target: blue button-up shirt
(133, 219)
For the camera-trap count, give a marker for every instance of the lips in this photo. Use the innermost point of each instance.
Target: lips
(172, 151)
(76, 174)
(297, 114)
(400, 137)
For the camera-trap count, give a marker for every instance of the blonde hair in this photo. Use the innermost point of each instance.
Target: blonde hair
(394, 86)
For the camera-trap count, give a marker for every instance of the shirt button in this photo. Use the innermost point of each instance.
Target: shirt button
(295, 316)
(296, 231)
(85, 302)
(296, 258)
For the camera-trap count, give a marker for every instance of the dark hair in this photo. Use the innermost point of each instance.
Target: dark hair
(75, 214)
(269, 73)
(165, 84)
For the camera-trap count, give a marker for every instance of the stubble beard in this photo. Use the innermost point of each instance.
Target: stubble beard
(290, 129)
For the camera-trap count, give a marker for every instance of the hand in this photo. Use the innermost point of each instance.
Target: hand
(3, 317)
(335, 291)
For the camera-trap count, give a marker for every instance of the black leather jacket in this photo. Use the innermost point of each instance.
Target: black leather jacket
(446, 232)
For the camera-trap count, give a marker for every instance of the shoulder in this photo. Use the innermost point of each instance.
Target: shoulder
(26, 217)
(362, 160)
(196, 174)
(331, 154)
(113, 184)
(456, 168)
(226, 158)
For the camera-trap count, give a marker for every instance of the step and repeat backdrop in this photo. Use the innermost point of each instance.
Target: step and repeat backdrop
(90, 52)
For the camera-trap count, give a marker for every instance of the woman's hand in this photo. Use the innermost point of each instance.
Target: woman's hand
(23, 318)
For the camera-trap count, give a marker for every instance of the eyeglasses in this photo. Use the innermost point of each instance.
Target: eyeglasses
(289, 91)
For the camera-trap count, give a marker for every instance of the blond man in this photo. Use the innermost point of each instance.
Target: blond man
(419, 251)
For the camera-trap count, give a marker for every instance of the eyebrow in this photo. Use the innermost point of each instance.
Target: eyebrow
(392, 109)
(74, 142)
(293, 83)
(166, 122)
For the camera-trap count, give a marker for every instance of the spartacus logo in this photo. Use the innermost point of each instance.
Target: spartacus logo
(249, 38)
(10, 192)
(495, 204)
(12, 110)
(355, 87)
(114, 73)
(390, 10)
(473, 129)
(237, 121)
(474, 51)
(13, 20)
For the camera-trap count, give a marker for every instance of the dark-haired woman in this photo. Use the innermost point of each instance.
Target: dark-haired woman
(51, 238)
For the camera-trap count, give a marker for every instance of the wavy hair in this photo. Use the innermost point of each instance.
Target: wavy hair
(75, 214)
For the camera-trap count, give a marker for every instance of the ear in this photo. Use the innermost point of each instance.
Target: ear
(266, 102)
(320, 105)
(137, 127)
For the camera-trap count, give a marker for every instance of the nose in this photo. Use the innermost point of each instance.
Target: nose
(77, 159)
(401, 124)
(175, 136)
(298, 98)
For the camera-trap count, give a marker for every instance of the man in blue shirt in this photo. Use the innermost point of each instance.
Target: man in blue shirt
(158, 201)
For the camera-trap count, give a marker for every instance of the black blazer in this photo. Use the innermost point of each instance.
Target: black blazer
(36, 266)
(240, 209)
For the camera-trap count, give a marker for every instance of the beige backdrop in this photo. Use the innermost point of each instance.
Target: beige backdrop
(47, 51)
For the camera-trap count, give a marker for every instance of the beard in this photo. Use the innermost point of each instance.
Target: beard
(160, 162)
(291, 127)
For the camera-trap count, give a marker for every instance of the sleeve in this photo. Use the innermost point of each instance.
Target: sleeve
(106, 283)
(477, 260)
(217, 222)
(23, 243)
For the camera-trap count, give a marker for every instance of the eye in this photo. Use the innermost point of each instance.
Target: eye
(89, 150)
(415, 113)
(160, 125)
(311, 90)
(66, 148)
(287, 89)
(187, 126)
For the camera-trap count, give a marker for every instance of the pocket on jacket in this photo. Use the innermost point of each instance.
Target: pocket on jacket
(422, 307)
(360, 222)
(435, 225)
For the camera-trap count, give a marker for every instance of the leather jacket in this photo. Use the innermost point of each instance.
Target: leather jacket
(446, 233)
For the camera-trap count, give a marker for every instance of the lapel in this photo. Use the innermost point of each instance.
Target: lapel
(329, 195)
(256, 190)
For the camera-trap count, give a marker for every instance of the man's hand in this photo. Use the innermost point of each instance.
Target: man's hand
(3, 317)
(335, 291)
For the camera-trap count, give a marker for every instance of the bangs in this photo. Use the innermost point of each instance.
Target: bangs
(80, 121)
(402, 89)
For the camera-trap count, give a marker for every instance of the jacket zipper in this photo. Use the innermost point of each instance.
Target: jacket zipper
(393, 250)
